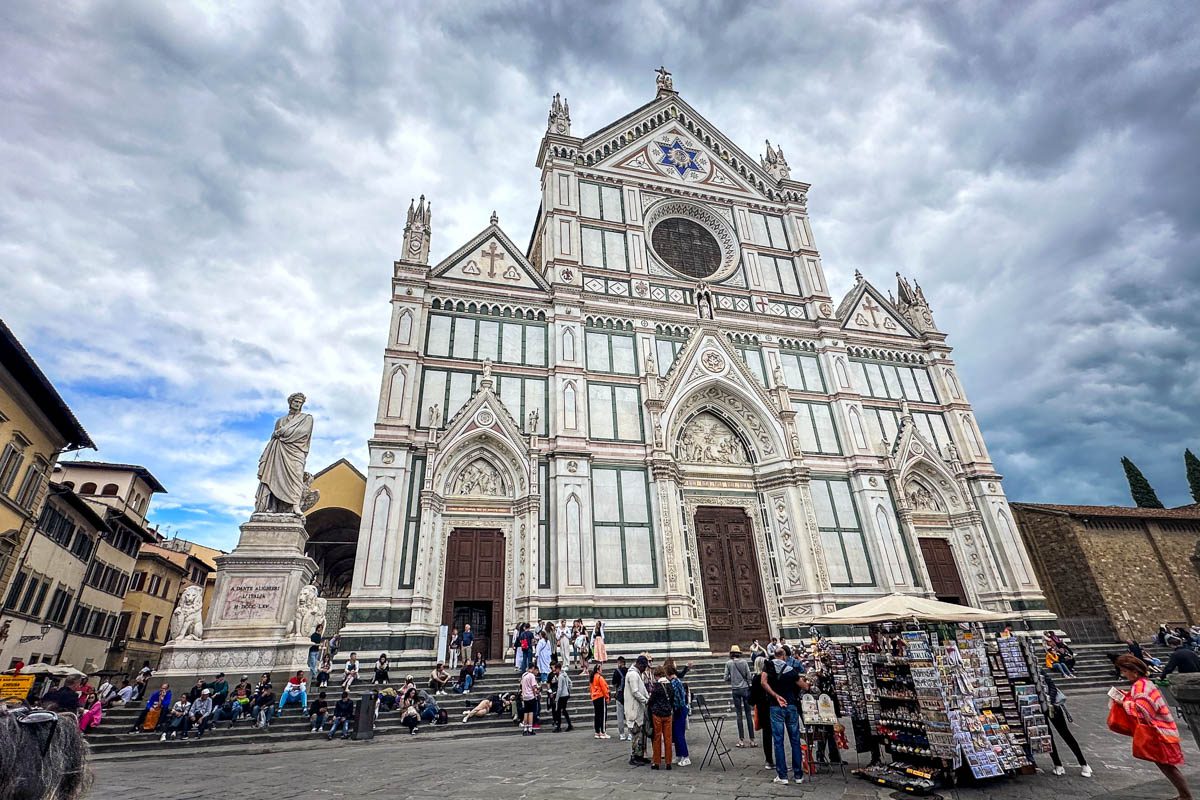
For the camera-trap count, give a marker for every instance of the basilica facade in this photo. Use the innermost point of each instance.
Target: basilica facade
(656, 414)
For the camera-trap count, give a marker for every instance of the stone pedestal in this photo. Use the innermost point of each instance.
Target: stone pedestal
(250, 626)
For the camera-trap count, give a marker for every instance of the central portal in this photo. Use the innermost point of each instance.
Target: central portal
(733, 594)
(474, 588)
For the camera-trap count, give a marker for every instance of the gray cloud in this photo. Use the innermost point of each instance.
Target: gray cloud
(199, 209)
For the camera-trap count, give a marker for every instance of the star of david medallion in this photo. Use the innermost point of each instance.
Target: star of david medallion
(712, 361)
(685, 161)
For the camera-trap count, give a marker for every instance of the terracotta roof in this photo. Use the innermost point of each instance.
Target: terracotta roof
(16, 359)
(1184, 512)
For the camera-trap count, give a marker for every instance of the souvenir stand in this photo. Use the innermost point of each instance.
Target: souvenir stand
(937, 696)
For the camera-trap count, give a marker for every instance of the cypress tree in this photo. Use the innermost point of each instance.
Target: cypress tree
(1139, 487)
(1193, 473)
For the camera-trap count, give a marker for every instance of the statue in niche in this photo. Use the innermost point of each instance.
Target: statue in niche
(533, 421)
(920, 498)
(708, 440)
(478, 478)
(704, 305)
(435, 415)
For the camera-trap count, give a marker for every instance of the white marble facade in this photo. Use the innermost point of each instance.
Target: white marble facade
(666, 343)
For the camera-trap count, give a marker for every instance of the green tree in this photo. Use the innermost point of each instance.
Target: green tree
(1193, 473)
(1139, 487)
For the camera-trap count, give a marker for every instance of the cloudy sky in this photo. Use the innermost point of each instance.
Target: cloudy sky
(199, 207)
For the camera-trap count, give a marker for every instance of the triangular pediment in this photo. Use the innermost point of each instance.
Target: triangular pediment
(491, 258)
(484, 411)
(669, 140)
(709, 364)
(926, 478)
(672, 154)
(485, 420)
(866, 310)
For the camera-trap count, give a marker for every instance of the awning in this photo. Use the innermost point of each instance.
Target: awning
(904, 608)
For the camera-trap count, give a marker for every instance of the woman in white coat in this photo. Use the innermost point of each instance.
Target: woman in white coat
(636, 718)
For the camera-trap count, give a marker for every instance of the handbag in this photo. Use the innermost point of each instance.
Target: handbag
(1149, 745)
(1119, 720)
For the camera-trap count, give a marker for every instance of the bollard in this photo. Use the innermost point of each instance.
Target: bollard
(364, 717)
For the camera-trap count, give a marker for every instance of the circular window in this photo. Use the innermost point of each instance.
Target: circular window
(687, 247)
(691, 240)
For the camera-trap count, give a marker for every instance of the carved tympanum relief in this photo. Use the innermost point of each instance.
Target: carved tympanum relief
(708, 440)
(478, 478)
(920, 498)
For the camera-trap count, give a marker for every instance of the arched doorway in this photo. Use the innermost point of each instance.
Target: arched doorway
(332, 543)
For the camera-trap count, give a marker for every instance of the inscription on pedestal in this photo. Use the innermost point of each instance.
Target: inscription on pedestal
(253, 598)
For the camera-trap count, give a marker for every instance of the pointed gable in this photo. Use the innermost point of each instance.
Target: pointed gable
(709, 356)
(669, 140)
(485, 421)
(491, 258)
(865, 309)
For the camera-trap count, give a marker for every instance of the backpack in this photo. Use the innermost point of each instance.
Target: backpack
(662, 700)
(442, 717)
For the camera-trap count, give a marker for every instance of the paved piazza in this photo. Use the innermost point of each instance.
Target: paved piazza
(575, 766)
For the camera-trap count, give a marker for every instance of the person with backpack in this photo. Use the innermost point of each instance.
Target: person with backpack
(562, 697)
(679, 695)
(525, 646)
(661, 707)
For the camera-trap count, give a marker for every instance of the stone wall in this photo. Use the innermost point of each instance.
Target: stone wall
(1134, 572)
(1061, 564)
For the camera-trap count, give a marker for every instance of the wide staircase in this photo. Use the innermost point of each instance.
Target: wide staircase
(1093, 669)
(112, 740)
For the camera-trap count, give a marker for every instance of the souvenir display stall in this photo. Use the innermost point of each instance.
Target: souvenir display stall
(936, 694)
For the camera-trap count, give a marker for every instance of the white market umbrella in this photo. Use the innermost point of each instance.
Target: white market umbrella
(906, 607)
(66, 671)
(40, 668)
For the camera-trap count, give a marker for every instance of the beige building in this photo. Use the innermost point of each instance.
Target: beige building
(203, 570)
(35, 427)
(332, 524)
(145, 621)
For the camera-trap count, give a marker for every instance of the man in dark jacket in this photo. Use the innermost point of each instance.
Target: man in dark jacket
(343, 712)
(1183, 659)
(64, 698)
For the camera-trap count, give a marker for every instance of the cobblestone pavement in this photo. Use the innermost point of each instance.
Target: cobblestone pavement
(575, 766)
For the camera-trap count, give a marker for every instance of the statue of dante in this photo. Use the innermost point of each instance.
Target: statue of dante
(281, 467)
